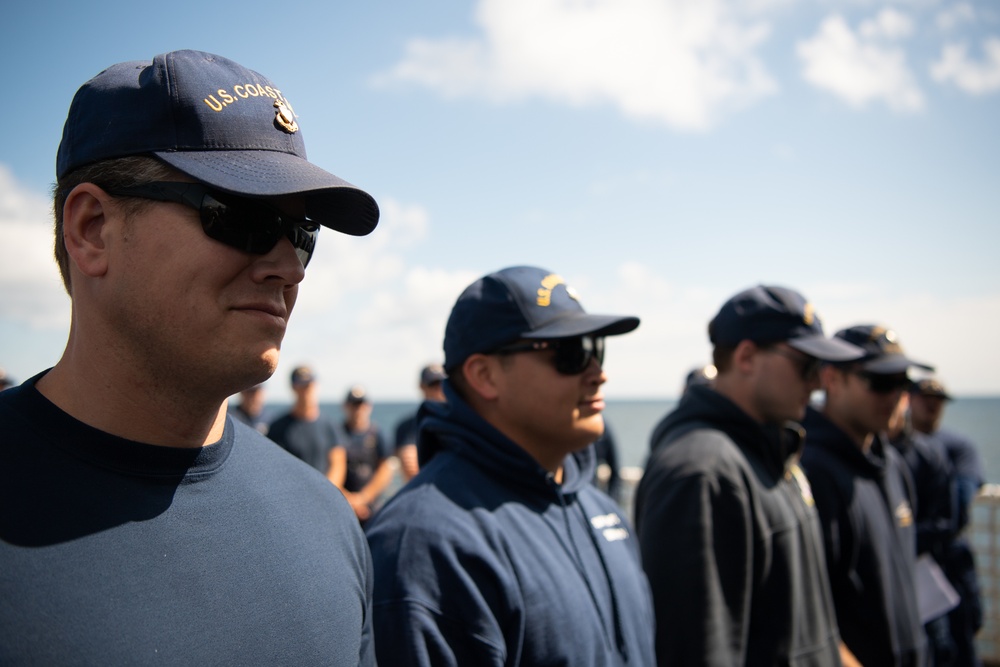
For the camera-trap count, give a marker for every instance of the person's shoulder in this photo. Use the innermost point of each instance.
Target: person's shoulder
(421, 518)
(449, 486)
(929, 449)
(281, 421)
(952, 439)
(279, 466)
(700, 449)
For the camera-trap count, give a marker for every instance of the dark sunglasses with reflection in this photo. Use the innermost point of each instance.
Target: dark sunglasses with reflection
(879, 383)
(807, 366)
(249, 225)
(572, 355)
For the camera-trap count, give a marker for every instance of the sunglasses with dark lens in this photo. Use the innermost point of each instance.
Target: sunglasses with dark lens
(884, 384)
(807, 366)
(572, 356)
(249, 225)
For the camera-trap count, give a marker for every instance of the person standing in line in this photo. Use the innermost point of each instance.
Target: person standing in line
(501, 552)
(927, 401)
(138, 523)
(935, 517)
(730, 538)
(866, 499)
(363, 467)
(250, 409)
(430, 384)
(305, 432)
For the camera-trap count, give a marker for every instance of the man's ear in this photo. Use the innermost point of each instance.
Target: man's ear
(480, 375)
(744, 354)
(830, 375)
(84, 228)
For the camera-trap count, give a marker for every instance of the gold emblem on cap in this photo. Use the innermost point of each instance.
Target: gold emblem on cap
(891, 340)
(904, 515)
(284, 118)
(544, 293)
(808, 313)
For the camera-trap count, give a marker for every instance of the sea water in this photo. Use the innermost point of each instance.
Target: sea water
(632, 422)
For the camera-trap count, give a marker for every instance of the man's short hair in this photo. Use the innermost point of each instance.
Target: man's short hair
(113, 174)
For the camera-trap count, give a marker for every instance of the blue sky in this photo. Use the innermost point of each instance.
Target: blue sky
(660, 155)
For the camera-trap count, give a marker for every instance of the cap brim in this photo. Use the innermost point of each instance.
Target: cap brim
(893, 363)
(827, 349)
(329, 200)
(583, 324)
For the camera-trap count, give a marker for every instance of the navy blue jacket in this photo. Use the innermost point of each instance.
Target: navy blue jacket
(865, 503)
(936, 496)
(482, 559)
(731, 542)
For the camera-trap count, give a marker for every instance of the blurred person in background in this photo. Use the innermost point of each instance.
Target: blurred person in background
(364, 466)
(928, 397)
(304, 431)
(431, 379)
(730, 538)
(866, 499)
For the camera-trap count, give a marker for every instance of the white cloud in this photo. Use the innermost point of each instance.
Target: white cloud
(684, 63)
(865, 66)
(379, 335)
(976, 78)
(955, 16)
(887, 24)
(367, 312)
(29, 278)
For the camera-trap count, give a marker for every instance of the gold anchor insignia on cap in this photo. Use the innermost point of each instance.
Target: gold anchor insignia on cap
(284, 118)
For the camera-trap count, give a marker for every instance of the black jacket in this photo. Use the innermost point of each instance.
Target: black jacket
(865, 502)
(730, 542)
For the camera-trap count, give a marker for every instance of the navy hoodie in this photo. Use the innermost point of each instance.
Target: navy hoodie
(730, 540)
(483, 559)
(865, 502)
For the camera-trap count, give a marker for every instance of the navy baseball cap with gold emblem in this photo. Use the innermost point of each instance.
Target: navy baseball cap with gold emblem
(883, 353)
(521, 302)
(216, 121)
(768, 314)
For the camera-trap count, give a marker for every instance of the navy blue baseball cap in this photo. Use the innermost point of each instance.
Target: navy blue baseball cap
(516, 303)
(214, 120)
(302, 375)
(767, 314)
(930, 387)
(883, 353)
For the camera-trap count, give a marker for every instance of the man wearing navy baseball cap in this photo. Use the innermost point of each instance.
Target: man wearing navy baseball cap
(137, 522)
(500, 551)
(730, 540)
(866, 499)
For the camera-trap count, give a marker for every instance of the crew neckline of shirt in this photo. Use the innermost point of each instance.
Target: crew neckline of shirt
(105, 450)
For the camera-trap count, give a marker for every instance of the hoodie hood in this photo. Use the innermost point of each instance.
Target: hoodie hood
(454, 426)
(703, 407)
(824, 434)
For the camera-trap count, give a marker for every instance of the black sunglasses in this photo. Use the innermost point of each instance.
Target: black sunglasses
(573, 355)
(807, 366)
(250, 225)
(883, 384)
